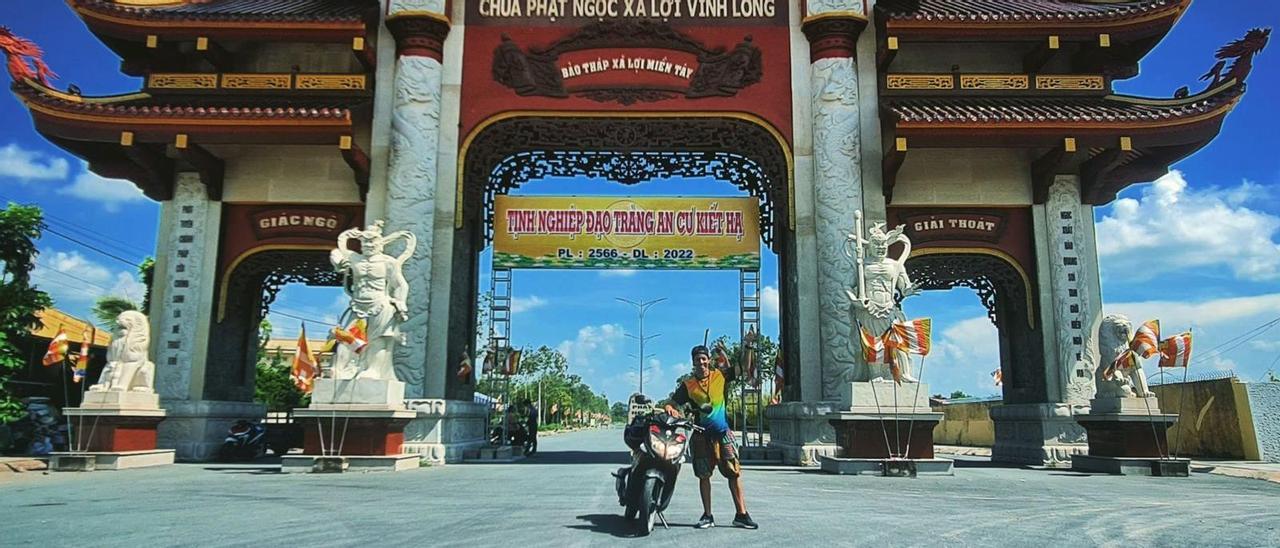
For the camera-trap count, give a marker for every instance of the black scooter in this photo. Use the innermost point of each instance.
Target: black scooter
(245, 441)
(658, 443)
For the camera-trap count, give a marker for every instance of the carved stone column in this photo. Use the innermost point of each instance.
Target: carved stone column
(832, 28)
(176, 315)
(419, 28)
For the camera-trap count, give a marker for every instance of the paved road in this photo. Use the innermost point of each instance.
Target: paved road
(564, 496)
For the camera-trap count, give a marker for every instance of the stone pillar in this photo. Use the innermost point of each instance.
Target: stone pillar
(443, 430)
(1070, 296)
(827, 197)
(182, 308)
(832, 28)
(419, 28)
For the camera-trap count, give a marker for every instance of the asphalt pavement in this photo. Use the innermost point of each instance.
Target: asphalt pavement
(564, 496)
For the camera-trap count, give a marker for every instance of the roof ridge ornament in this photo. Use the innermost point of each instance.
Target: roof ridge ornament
(1240, 53)
(24, 58)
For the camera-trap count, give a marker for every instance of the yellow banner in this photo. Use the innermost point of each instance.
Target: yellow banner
(660, 232)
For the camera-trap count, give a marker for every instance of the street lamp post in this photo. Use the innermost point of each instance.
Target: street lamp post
(642, 308)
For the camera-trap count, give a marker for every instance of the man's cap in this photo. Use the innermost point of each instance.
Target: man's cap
(700, 349)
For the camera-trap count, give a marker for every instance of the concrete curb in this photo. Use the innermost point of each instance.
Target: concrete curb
(20, 465)
(1235, 471)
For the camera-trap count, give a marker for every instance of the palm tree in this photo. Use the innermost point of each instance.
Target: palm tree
(109, 307)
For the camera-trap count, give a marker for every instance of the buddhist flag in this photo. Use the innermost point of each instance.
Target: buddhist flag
(779, 379)
(464, 369)
(997, 377)
(513, 361)
(1146, 340)
(1175, 351)
(57, 351)
(486, 365)
(749, 356)
(1125, 360)
(353, 335)
(873, 349)
(911, 336)
(82, 359)
(304, 368)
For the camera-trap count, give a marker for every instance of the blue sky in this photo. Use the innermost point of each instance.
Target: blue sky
(1198, 248)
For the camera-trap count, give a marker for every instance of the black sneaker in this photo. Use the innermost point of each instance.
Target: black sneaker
(705, 522)
(745, 521)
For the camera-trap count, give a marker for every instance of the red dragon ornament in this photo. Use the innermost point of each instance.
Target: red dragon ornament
(21, 55)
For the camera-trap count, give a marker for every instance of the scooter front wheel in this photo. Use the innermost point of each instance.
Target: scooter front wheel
(648, 507)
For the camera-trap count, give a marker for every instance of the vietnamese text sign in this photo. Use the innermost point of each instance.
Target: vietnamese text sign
(626, 232)
(551, 12)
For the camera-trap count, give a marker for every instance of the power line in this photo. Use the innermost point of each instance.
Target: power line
(118, 244)
(94, 248)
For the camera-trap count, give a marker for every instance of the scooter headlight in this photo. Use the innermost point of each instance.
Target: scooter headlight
(658, 444)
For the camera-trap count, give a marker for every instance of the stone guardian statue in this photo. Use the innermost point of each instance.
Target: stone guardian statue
(128, 369)
(882, 284)
(376, 285)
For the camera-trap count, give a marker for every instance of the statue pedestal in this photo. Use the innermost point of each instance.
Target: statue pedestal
(446, 431)
(885, 439)
(1127, 436)
(371, 394)
(353, 425)
(113, 431)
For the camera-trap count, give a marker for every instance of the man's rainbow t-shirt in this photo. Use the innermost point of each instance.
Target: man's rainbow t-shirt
(712, 390)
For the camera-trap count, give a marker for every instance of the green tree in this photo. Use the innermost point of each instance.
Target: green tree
(147, 274)
(959, 395)
(108, 308)
(20, 227)
(618, 412)
(272, 385)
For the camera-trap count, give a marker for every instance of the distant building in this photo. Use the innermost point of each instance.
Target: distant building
(55, 382)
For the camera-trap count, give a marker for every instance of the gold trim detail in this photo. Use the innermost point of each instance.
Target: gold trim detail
(839, 14)
(231, 267)
(900, 144)
(1070, 82)
(415, 14)
(331, 81)
(170, 80)
(919, 81)
(256, 81)
(1026, 280)
(476, 131)
(1069, 144)
(994, 81)
(1054, 42)
(1126, 143)
(892, 43)
(126, 138)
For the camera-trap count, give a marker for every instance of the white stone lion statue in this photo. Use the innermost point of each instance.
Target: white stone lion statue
(1107, 341)
(128, 368)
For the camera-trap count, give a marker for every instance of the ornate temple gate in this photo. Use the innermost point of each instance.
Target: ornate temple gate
(997, 115)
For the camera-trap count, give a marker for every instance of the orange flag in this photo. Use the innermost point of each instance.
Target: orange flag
(1146, 340)
(304, 368)
(82, 359)
(1175, 351)
(57, 351)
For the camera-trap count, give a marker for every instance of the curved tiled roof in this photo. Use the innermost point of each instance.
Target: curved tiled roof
(1056, 110)
(239, 10)
(141, 105)
(1016, 11)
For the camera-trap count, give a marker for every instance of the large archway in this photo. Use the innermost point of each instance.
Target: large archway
(514, 148)
(1006, 293)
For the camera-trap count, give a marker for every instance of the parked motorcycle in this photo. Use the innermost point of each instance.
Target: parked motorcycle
(658, 443)
(517, 436)
(245, 441)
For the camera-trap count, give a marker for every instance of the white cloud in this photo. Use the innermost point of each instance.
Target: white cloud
(1271, 346)
(75, 281)
(1182, 315)
(525, 304)
(110, 193)
(769, 301)
(1171, 227)
(29, 165)
(618, 273)
(963, 357)
(594, 345)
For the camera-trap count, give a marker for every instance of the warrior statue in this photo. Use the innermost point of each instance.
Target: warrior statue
(128, 368)
(376, 285)
(882, 284)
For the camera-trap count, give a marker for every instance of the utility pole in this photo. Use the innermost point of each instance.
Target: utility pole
(642, 308)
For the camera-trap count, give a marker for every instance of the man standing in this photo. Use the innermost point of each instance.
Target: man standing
(707, 391)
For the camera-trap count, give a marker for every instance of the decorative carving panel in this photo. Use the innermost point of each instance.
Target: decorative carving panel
(1070, 82)
(628, 150)
(919, 81)
(331, 81)
(257, 81)
(994, 81)
(182, 81)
